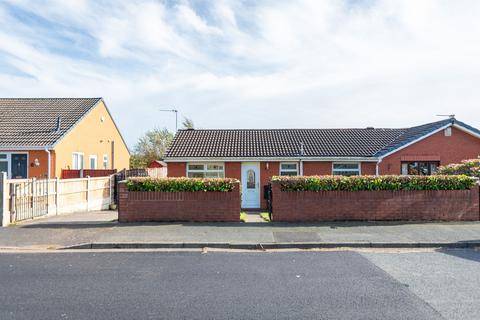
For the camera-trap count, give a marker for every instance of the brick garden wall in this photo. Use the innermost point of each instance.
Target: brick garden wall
(178, 206)
(308, 206)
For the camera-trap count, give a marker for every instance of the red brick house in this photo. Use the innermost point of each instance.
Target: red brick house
(254, 156)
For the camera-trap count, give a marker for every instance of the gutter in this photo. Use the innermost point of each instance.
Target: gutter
(241, 159)
(377, 167)
(24, 148)
(49, 162)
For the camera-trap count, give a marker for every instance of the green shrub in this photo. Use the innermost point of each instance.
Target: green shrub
(372, 183)
(181, 184)
(469, 168)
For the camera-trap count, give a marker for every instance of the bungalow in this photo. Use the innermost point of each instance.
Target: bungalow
(254, 156)
(40, 137)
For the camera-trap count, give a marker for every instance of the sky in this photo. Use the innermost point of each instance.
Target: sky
(248, 64)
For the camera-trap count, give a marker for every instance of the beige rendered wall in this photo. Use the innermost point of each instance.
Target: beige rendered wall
(92, 136)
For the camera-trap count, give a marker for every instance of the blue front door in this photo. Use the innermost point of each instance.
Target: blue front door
(19, 166)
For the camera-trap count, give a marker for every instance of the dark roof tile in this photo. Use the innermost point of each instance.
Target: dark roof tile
(32, 122)
(271, 143)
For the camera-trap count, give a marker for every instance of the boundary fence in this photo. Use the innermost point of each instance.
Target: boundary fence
(23, 199)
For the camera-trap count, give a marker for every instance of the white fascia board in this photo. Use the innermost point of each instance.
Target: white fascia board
(294, 159)
(25, 148)
(415, 141)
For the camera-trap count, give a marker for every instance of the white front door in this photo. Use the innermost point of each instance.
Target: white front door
(250, 185)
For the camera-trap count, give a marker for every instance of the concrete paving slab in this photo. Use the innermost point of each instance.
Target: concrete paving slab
(101, 227)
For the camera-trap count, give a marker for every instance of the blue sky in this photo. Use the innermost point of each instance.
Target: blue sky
(248, 64)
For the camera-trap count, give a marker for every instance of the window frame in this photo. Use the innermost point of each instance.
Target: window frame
(359, 170)
(8, 160)
(78, 154)
(105, 161)
(90, 158)
(429, 165)
(205, 170)
(280, 170)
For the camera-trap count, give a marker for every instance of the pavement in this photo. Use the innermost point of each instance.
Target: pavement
(100, 230)
(192, 285)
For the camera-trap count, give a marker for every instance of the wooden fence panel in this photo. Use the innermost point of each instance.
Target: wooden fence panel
(30, 198)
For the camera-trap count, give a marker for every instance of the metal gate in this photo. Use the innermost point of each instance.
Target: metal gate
(28, 199)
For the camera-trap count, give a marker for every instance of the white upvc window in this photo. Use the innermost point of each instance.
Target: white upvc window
(15, 164)
(93, 161)
(105, 161)
(288, 168)
(205, 170)
(77, 160)
(346, 168)
(4, 163)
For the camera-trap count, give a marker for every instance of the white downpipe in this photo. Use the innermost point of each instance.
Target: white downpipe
(49, 162)
(377, 167)
(301, 167)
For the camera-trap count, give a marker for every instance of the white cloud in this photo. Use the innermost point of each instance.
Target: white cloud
(250, 64)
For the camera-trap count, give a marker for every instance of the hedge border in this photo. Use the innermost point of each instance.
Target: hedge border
(181, 184)
(373, 183)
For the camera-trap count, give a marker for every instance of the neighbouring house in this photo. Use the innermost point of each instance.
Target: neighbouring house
(157, 164)
(40, 137)
(254, 156)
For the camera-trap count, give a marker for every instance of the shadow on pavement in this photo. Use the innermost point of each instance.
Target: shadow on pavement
(69, 225)
(472, 254)
(273, 225)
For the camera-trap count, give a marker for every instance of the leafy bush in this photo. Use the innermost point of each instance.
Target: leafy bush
(180, 184)
(469, 168)
(362, 183)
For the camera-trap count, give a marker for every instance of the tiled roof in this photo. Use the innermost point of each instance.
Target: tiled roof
(32, 122)
(271, 143)
(412, 134)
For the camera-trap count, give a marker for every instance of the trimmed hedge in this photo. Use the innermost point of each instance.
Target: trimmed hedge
(373, 183)
(181, 184)
(470, 167)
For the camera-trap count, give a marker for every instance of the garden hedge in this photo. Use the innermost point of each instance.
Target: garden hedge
(470, 167)
(373, 183)
(181, 184)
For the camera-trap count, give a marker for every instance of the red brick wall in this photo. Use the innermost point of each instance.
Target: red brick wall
(317, 168)
(178, 206)
(451, 149)
(310, 206)
(369, 168)
(233, 170)
(265, 176)
(177, 169)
